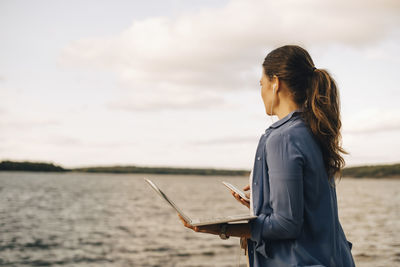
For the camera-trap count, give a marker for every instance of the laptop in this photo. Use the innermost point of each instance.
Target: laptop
(199, 222)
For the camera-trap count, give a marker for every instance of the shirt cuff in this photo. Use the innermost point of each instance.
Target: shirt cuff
(256, 227)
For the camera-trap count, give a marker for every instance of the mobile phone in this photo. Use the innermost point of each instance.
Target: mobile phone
(236, 190)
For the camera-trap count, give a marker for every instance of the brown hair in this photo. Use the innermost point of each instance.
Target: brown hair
(316, 92)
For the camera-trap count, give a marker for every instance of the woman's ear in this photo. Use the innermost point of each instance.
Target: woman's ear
(275, 85)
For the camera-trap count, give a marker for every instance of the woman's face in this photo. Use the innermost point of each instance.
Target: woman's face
(267, 91)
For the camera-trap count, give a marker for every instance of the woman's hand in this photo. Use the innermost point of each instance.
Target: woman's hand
(238, 229)
(209, 229)
(242, 200)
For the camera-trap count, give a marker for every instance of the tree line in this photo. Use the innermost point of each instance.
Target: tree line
(372, 171)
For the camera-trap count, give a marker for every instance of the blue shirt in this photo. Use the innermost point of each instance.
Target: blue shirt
(297, 220)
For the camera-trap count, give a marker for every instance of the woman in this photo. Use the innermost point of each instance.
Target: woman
(292, 183)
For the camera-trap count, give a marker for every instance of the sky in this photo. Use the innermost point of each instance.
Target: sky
(176, 82)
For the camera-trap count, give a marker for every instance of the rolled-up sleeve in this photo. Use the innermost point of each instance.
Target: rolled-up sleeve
(285, 170)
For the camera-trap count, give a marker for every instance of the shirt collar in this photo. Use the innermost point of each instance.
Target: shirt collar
(285, 119)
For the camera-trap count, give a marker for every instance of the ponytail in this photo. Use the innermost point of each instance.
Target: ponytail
(316, 92)
(322, 114)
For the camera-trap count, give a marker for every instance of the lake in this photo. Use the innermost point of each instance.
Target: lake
(79, 219)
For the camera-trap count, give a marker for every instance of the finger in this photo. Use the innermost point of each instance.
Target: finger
(244, 201)
(247, 187)
(180, 217)
(201, 229)
(185, 223)
(237, 196)
(183, 219)
(240, 199)
(247, 195)
(234, 195)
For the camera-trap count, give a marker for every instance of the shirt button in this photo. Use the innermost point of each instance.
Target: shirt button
(258, 158)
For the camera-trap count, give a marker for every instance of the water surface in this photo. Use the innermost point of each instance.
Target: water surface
(78, 219)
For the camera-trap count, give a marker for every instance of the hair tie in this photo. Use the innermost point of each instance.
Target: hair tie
(314, 68)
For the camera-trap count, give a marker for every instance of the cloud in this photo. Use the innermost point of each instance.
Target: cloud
(236, 140)
(372, 121)
(214, 50)
(158, 100)
(62, 140)
(21, 123)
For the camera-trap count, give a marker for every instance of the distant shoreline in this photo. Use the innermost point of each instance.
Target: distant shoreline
(117, 169)
(367, 171)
